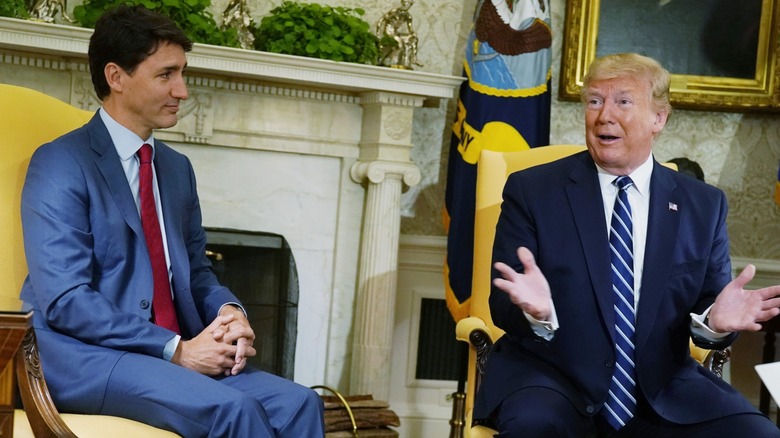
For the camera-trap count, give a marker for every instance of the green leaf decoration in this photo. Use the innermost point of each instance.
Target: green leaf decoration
(303, 29)
(14, 9)
(338, 34)
(192, 16)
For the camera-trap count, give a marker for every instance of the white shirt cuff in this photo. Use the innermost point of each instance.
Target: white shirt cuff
(170, 348)
(544, 329)
(700, 328)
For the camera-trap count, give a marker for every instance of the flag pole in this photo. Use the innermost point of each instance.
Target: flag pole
(458, 420)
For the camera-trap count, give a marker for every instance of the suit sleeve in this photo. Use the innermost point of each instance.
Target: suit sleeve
(718, 274)
(515, 228)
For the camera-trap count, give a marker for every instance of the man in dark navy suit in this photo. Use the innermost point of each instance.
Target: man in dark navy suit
(606, 264)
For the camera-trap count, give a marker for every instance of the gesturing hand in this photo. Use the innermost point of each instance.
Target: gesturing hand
(529, 290)
(738, 309)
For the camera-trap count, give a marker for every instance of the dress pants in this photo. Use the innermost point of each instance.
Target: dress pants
(251, 404)
(538, 412)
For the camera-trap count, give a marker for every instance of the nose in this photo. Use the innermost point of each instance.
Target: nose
(605, 113)
(179, 89)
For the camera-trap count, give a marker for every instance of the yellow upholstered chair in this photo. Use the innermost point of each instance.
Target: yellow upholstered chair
(477, 329)
(27, 120)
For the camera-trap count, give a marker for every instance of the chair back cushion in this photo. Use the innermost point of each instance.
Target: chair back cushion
(28, 119)
(492, 172)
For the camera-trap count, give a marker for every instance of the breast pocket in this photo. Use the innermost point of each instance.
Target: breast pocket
(688, 267)
(686, 281)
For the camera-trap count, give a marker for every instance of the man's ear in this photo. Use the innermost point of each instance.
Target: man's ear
(660, 121)
(114, 75)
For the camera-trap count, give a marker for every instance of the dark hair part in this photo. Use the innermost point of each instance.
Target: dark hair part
(688, 167)
(126, 36)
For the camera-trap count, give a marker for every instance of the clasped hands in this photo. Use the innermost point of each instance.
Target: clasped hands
(735, 308)
(221, 348)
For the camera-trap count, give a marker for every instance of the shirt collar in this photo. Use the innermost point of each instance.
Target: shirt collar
(640, 176)
(125, 141)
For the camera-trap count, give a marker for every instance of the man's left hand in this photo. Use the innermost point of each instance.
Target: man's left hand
(239, 333)
(737, 309)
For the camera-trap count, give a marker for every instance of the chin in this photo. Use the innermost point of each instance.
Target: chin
(168, 123)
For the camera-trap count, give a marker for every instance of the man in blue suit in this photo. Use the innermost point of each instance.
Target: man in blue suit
(597, 327)
(90, 277)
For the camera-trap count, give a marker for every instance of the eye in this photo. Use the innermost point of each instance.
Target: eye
(593, 101)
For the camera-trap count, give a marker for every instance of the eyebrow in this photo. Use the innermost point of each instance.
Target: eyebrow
(172, 68)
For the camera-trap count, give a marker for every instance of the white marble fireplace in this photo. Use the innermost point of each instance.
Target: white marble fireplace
(313, 150)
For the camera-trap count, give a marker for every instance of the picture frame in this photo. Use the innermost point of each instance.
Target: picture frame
(722, 55)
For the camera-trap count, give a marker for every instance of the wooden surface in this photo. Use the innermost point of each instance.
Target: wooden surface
(13, 326)
(770, 328)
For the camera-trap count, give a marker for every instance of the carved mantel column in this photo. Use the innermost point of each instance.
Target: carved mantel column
(385, 166)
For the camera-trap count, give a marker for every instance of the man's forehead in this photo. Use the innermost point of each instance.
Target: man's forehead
(616, 85)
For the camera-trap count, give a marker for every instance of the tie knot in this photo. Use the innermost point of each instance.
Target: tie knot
(145, 153)
(623, 182)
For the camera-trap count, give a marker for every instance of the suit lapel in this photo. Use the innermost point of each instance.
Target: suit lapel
(585, 200)
(173, 179)
(110, 166)
(169, 185)
(663, 225)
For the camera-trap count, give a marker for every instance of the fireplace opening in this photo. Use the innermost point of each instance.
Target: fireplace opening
(259, 269)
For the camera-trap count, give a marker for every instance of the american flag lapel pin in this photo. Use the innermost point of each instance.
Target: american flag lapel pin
(672, 206)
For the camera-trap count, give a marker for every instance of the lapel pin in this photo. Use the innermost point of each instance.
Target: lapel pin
(672, 206)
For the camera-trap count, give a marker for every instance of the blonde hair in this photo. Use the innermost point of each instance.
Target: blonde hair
(634, 65)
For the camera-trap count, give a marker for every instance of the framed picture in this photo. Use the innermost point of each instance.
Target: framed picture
(723, 54)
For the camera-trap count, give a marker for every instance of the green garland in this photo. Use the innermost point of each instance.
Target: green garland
(192, 16)
(316, 31)
(303, 29)
(14, 9)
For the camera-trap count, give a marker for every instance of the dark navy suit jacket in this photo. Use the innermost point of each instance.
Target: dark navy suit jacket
(556, 211)
(90, 281)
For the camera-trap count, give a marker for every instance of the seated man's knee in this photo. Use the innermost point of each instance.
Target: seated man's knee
(538, 412)
(525, 425)
(303, 414)
(239, 415)
(309, 400)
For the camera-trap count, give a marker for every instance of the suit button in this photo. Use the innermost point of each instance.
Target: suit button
(609, 363)
(590, 409)
(144, 304)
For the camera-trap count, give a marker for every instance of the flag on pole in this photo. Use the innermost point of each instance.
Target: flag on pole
(777, 187)
(505, 106)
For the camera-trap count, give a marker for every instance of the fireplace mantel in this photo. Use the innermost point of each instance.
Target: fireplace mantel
(71, 42)
(316, 151)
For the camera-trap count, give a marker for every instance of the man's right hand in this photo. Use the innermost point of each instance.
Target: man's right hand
(205, 354)
(529, 290)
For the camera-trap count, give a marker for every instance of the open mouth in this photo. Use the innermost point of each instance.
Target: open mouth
(608, 137)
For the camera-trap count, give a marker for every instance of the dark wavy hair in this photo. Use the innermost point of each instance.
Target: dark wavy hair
(688, 167)
(126, 36)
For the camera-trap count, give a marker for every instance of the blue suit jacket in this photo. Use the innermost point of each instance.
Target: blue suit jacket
(556, 211)
(90, 281)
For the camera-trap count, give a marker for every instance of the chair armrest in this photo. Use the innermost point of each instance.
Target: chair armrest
(713, 360)
(467, 325)
(38, 404)
(479, 336)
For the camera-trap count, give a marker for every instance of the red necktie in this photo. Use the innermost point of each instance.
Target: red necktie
(163, 312)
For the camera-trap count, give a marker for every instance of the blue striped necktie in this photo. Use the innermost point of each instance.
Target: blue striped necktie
(621, 402)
